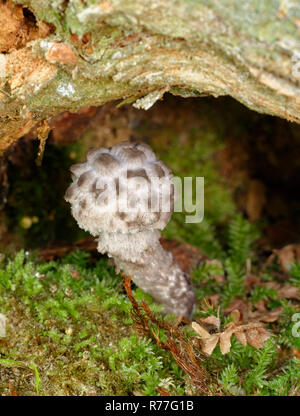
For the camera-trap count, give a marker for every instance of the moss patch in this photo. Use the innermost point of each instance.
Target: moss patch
(70, 330)
(69, 327)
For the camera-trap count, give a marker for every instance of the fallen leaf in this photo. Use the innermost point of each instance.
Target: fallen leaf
(208, 341)
(271, 316)
(186, 255)
(208, 345)
(236, 316)
(241, 337)
(257, 336)
(261, 306)
(238, 304)
(286, 256)
(252, 281)
(86, 244)
(246, 312)
(200, 330)
(289, 292)
(212, 320)
(253, 333)
(225, 343)
(253, 338)
(272, 285)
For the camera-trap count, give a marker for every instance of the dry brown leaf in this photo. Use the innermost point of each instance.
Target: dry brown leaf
(257, 336)
(187, 256)
(200, 330)
(241, 337)
(289, 292)
(208, 341)
(264, 334)
(225, 343)
(272, 285)
(270, 316)
(252, 281)
(286, 256)
(252, 336)
(236, 316)
(261, 306)
(208, 345)
(212, 320)
(253, 333)
(238, 304)
(246, 313)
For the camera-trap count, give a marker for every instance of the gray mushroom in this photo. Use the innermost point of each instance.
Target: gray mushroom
(124, 196)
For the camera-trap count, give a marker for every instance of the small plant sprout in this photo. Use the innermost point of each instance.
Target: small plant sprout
(124, 196)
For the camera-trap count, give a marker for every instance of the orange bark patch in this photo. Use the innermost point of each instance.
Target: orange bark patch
(61, 53)
(24, 65)
(18, 26)
(13, 130)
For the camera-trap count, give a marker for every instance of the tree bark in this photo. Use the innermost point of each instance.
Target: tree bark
(59, 55)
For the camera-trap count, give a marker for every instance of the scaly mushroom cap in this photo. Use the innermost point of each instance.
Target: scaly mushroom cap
(122, 189)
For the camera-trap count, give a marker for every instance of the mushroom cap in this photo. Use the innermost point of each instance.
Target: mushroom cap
(121, 189)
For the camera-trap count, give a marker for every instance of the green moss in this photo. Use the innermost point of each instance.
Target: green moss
(70, 329)
(245, 370)
(68, 336)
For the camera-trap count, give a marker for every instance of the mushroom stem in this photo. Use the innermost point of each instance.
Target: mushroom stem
(151, 268)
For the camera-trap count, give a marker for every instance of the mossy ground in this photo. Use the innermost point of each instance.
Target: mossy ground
(70, 331)
(71, 321)
(69, 324)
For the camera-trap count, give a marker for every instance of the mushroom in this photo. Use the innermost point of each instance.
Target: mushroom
(124, 195)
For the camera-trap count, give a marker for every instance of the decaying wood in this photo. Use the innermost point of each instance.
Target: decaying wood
(57, 56)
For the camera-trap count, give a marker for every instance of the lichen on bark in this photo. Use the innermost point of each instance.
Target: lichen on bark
(80, 53)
